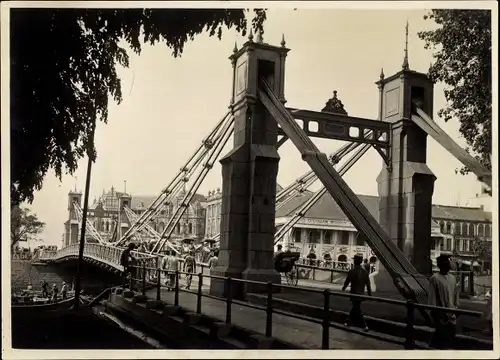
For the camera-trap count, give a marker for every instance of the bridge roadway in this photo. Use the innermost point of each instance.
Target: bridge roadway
(108, 256)
(298, 332)
(465, 324)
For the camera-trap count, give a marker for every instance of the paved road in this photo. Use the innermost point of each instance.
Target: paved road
(295, 331)
(466, 324)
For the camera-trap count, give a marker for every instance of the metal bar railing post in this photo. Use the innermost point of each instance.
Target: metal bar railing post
(158, 284)
(229, 299)
(331, 275)
(200, 286)
(471, 283)
(410, 321)
(269, 310)
(143, 279)
(314, 273)
(325, 338)
(176, 298)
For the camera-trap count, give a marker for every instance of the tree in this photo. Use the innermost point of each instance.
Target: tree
(24, 226)
(63, 70)
(462, 45)
(481, 248)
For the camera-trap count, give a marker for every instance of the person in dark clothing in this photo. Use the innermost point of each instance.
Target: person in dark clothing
(359, 279)
(126, 260)
(45, 290)
(366, 265)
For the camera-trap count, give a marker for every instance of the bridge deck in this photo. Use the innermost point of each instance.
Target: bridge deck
(285, 328)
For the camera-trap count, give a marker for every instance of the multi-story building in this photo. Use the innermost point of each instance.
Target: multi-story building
(213, 205)
(106, 212)
(325, 228)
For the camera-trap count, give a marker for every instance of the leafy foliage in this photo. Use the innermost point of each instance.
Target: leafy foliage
(24, 226)
(63, 70)
(463, 63)
(481, 248)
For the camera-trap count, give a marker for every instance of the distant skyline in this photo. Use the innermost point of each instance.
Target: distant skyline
(169, 105)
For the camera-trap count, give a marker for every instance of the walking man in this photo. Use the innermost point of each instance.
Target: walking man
(126, 260)
(443, 292)
(189, 267)
(359, 279)
(64, 291)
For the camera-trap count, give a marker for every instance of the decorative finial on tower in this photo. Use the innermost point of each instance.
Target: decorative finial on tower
(250, 35)
(334, 105)
(260, 38)
(235, 49)
(283, 43)
(382, 76)
(406, 65)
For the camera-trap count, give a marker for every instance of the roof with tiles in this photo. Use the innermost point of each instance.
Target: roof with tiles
(143, 201)
(327, 208)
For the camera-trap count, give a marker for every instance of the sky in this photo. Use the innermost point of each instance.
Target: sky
(170, 104)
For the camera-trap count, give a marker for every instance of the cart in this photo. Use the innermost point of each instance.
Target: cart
(285, 264)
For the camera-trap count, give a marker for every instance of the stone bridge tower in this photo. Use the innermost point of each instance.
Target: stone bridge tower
(249, 171)
(406, 185)
(72, 225)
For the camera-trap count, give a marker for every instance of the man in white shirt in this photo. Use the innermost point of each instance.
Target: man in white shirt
(443, 292)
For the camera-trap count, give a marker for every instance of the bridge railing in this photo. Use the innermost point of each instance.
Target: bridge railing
(409, 341)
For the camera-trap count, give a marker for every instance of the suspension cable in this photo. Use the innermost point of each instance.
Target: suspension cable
(313, 199)
(180, 178)
(212, 157)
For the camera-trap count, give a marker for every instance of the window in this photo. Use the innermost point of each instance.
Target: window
(480, 230)
(441, 227)
(178, 228)
(360, 239)
(344, 238)
(297, 235)
(458, 245)
(190, 228)
(314, 236)
(448, 245)
(458, 229)
(470, 230)
(448, 227)
(327, 237)
(487, 230)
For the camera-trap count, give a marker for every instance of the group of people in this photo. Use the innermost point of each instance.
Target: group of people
(53, 293)
(443, 292)
(169, 265)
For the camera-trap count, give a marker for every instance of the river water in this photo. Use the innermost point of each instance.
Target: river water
(71, 330)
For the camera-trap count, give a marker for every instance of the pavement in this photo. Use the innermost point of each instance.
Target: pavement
(466, 325)
(291, 330)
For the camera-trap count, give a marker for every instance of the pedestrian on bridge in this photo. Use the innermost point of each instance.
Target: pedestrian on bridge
(443, 292)
(189, 267)
(127, 260)
(359, 279)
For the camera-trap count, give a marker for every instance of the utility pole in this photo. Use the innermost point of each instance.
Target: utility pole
(90, 147)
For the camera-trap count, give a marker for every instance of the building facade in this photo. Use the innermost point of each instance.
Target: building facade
(326, 230)
(106, 212)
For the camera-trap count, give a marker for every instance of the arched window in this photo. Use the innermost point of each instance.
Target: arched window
(178, 228)
(457, 228)
(480, 230)
(487, 230)
(441, 227)
(463, 229)
(448, 227)
(107, 226)
(190, 228)
(161, 227)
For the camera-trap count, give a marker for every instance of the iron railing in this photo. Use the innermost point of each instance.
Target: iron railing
(150, 277)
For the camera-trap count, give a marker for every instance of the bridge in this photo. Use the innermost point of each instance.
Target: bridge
(260, 123)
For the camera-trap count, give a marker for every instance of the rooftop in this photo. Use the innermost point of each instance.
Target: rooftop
(327, 208)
